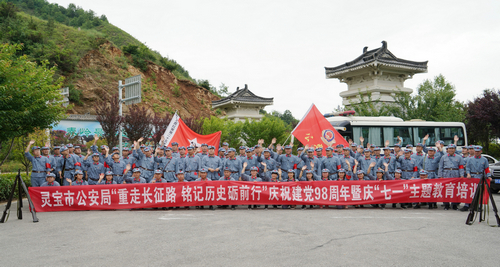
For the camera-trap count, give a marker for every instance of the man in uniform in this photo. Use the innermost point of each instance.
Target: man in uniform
(169, 165)
(129, 159)
(157, 177)
(182, 159)
(212, 163)
(67, 164)
(478, 167)
(136, 177)
(331, 163)
(175, 150)
(50, 180)
(267, 160)
(242, 154)
(419, 156)
(365, 161)
(234, 164)
(192, 165)
(408, 166)
(40, 165)
(451, 165)
(389, 159)
(204, 151)
(117, 166)
(319, 156)
(288, 161)
(146, 161)
(94, 168)
(225, 145)
(250, 160)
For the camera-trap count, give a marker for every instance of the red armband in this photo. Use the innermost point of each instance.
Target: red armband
(415, 169)
(339, 167)
(106, 165)
(294, 166)
(47, 165)
(78, 164)
(487, 170)
(133, 166)
(348, 177)
(461, 166)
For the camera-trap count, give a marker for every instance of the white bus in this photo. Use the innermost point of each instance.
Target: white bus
(376, 130)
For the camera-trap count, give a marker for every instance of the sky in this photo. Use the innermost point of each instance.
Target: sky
(280, 48)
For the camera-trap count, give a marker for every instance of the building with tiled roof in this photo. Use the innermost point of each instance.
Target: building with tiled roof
(242, 104)
(377, 71)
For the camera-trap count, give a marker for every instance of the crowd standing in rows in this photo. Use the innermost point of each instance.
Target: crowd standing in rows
(140, 164)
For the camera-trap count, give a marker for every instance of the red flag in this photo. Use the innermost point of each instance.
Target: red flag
(186, 137)
(314, 130)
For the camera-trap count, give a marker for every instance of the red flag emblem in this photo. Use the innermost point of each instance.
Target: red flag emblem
(315, 130)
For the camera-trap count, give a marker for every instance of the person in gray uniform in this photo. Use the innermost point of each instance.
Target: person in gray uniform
(50, 180)
(40, 166)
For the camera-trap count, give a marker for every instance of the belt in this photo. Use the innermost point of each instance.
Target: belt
(407, 170)
(188, 171)
(117, 175)
(234, 172)
(93, 179)
(68, 169)
(332, 173)
(431, 171)
(169, 171)
(476, 173)
(146, 169)
(38, 171)
(450, 169)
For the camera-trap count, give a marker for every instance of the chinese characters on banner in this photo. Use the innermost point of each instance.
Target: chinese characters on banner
(127, 196)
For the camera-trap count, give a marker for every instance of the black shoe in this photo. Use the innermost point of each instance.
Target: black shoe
(393, 205)
(417, 206)
(403, 206)
(303, 207)
(361, 206)
(275, 206)
(211, 208)
(232, 208)
(202, 207)
(446, 207)
(454, 207)
(464, 208)
(409, 206)
(430, 206)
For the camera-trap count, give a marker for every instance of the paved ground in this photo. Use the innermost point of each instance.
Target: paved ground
(353, 237)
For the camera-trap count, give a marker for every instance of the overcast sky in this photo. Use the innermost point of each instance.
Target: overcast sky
(280, 48)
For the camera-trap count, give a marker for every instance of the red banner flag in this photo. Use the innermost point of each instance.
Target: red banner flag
(179, 132)
(315, 130)
(129, 196)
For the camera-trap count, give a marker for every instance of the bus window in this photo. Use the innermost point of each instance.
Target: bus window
(448, 135)
(421, 132)
(372, 135)
(404, 133)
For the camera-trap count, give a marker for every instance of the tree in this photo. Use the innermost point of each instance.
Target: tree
(28, 95)
(434, 101)
(138, 123)
(107, 111)
(368, 106)
(160, 124)
(483, 118)
(268, 128)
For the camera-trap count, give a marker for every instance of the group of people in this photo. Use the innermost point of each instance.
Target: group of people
(167, 164)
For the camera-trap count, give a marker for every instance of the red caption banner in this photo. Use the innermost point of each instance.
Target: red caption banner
(129, 196)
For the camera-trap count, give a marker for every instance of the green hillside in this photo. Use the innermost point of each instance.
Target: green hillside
(63, 35)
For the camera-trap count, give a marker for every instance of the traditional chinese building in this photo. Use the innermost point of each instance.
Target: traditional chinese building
(242, 104)
(377, 71)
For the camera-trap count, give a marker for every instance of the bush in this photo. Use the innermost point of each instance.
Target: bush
(176, 91)
(6, 183)
(74, 95)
